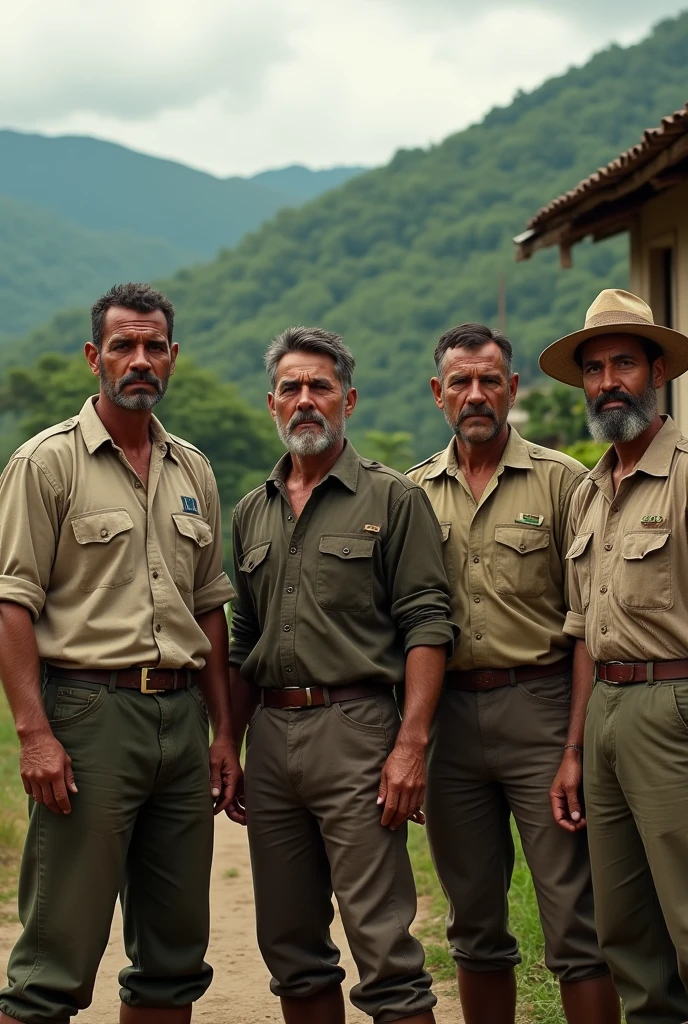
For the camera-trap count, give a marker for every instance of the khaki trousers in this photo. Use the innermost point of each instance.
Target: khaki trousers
(495, 754)
(142, 826)
(312, 780)
(636, 788)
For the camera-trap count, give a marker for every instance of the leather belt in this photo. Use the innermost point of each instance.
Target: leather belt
(147, 680)
(294, 698)
(490, 678)
(622, 673)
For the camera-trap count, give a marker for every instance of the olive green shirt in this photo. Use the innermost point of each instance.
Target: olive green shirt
(339, 595)
(628, 583)
(504, 554)
(112, 571)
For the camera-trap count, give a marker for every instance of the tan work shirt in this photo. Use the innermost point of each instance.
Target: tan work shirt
(504, 555)
(112, 571)
(628, 589)
(340, 595)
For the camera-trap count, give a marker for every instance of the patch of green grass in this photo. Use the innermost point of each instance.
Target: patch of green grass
(231, 873)
(538, 992)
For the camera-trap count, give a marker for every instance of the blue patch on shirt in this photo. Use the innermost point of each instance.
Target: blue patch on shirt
(189, 505)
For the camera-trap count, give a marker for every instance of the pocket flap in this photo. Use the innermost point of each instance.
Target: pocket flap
(446, 530)
(637, 545)
(100, 527)
(254, 557)
(579, 545)
(347, 547)
(194, 528)
(523, 541)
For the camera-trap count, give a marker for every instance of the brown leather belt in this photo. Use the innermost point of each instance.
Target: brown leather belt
(622, 673)
(147, 680)
(294, 698)
(490, 678)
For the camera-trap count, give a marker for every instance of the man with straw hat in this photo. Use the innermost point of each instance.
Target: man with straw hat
(628, 607)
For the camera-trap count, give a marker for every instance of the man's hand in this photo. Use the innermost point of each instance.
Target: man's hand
(564, 793)
(46, 771)
(226, 779)
(402, 785)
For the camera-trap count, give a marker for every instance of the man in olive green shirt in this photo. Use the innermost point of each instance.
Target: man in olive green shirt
(629, 605)
(111, 574)
(508, 728)
(341, 596)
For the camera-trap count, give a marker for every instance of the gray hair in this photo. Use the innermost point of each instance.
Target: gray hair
(311, 339)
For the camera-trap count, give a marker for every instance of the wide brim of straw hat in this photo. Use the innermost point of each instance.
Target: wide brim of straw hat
(558, 361)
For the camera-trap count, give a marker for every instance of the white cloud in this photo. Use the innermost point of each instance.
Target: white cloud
(235, 86)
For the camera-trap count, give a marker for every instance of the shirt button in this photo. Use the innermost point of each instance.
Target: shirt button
(290, 519)
(478, 636)
(615, 508)
(603, 629)
(345, 551)
(476, 559)
(287, 669)
(603, 590)
(521, 547)
(292, 550)
(608, 547)
(158, 628)
(476, 600)
(137, 484)
(155, 575)
(287, 628)
(103, 533)
(290, 590)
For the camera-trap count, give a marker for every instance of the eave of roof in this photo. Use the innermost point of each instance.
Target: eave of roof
(603, 203)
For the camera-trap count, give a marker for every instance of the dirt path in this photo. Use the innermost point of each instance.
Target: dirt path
(239, 993)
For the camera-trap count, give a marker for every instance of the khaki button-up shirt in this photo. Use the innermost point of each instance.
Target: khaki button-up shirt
(504, 555)
(112, 572)
(629, 559)
(339, 595)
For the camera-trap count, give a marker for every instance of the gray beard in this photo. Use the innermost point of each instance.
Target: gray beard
(310, 442)
(135, 403)
(623, 424)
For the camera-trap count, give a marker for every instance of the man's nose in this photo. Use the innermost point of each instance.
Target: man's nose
(476, 394)
(140, 359)
(305, 398)
(610, 379)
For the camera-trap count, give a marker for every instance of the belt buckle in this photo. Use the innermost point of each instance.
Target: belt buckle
(144, 682)
(299, 707)
(630, 667)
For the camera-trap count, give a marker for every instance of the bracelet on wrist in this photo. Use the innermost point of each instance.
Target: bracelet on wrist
(573, 746)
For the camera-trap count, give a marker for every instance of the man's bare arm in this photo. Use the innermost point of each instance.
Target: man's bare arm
(244, 697)
(45, 766)
(225, 771)
(565, 792)
(402, 785)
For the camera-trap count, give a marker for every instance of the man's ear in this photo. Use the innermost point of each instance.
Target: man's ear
(174, 352)
(436, 388)
(659, 372)
(351, 399)
(271, 404)
(92, 357)
(513, 389)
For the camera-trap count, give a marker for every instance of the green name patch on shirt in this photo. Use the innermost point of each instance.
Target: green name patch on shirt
(529, 519)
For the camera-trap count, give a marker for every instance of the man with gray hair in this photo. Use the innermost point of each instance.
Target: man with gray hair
(341, 596)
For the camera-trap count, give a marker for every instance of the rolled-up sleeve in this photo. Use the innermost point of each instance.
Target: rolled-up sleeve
(416, 580)
(574, 624)
(212, 587)
(29, 528)
(245, 630)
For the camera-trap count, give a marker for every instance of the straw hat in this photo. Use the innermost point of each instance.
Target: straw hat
(615, 311)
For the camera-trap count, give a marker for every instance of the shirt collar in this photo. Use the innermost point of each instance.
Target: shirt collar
(515, 455)
(656, 460)
(95, 434)
(345, 470)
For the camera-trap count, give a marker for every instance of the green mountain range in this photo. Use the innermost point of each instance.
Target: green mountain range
(77, 214)
(396, 255)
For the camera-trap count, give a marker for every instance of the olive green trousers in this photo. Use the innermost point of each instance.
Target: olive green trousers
(636, 791)
(141, 825)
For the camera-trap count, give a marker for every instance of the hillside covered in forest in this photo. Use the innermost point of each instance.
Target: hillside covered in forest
(396, 255)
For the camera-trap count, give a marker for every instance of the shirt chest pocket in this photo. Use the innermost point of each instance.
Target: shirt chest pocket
(344, 579)
(645, 580)
(579, 563)
(255, 566)
(192, 534)
(105, 557)
(521, 561)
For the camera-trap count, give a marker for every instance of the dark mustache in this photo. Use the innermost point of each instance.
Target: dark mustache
(306, 417)
(477, 410)
(140, 378)
(612, 396)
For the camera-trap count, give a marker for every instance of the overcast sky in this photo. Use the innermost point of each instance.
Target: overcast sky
(237, 86)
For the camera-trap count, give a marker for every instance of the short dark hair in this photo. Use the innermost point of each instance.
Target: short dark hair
(140, 297)
(311, 339)
(651, 349)
(472, 336)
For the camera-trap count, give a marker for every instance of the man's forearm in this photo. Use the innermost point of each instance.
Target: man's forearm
(424, 676)
(244, 698)
(20, 669)
(214, 677)
(581, 688)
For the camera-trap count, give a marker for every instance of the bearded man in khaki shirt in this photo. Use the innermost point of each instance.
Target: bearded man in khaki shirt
(508, 722)
(111, 574)
(629, 605)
